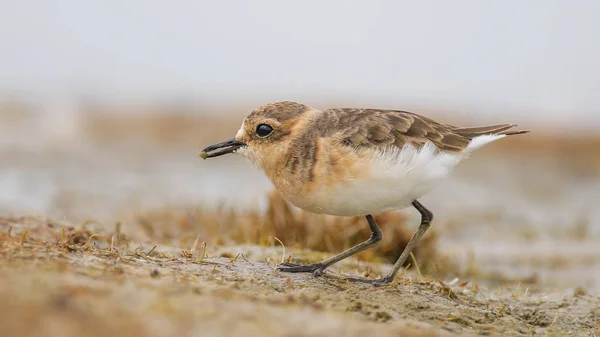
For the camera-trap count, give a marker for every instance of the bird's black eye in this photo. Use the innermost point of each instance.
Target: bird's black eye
(264, 130)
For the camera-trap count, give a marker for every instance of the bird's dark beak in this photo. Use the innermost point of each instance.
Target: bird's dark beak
(228, 146)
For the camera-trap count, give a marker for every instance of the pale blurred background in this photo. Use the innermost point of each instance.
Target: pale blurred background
(104, 105)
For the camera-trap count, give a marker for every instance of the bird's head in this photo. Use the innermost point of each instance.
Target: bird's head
(265, 134)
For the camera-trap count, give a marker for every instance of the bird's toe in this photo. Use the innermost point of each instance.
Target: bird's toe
(288, 267)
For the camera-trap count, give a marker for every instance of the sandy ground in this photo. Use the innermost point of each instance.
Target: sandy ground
(514, 248)
(58, 281)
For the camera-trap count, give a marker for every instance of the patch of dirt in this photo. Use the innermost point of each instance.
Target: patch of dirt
(62, 280)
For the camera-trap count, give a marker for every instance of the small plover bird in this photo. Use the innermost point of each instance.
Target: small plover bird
(354, 162)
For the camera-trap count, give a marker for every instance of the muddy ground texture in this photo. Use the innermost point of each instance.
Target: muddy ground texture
(58, 279)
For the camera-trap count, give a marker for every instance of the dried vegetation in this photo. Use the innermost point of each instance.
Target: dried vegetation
(63, 280)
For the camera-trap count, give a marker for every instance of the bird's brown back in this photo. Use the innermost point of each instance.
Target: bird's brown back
(375, 128)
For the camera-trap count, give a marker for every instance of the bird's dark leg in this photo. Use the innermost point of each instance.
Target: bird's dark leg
(318, 268)
(426, 217)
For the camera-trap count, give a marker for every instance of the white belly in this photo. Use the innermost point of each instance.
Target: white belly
(395, 179)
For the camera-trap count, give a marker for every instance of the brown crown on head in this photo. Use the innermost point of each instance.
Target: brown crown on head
(281, 111)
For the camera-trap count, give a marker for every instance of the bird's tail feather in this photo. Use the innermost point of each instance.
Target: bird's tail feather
(501, 129)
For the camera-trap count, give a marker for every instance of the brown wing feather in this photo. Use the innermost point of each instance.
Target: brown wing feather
(372, 127)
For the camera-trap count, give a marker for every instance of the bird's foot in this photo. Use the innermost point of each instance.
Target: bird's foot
(316, 268)
(376, 282)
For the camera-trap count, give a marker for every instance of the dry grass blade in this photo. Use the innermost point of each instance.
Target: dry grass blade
(412, 256)
(24, 236)
(283, 246)
(195, 244)
(151, 251)
(89, 239)
(203, 254)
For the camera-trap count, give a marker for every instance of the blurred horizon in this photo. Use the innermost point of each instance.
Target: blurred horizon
(534, 63)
